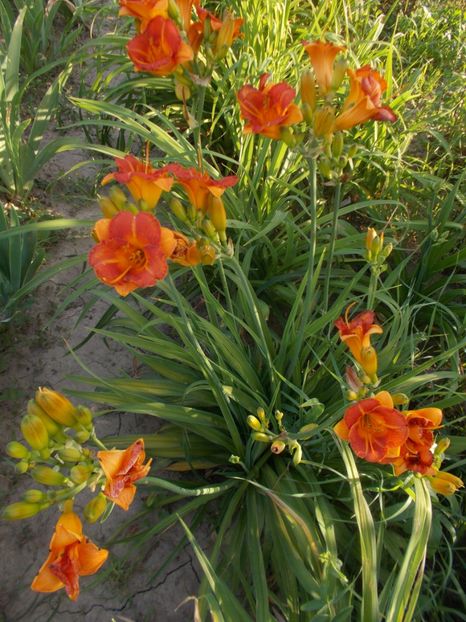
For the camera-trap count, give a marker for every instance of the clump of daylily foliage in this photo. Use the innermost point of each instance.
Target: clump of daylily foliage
(60, 450)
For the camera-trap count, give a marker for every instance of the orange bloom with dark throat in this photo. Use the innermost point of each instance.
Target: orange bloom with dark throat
(129, 253)
(144, 182)
(199, 186)
(159, 50)
(269, 108)
(356, 334)
(122, 468)
(364, 101)
(322, 56)
(144, 10)
(71, 556)
(374, 428)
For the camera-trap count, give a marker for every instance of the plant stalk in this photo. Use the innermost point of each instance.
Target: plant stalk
(336, 207)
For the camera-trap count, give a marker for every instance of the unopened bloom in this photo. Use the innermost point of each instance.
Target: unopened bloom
(71, 556)
(129, 253)
(322, 56)
(56, 406)
(144, 182)
(122, 468)
(445, 483)
(374, 428)
(364, 101)
(144, 10)
(185, 9)
(226, 30)
(356, 334)
(269, 108)
(199, 186)
(159, 50)
(185, 252)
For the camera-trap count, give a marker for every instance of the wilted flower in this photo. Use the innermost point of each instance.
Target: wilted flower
(159, 50)
(364, 100)
(122, 468)
(71, 556)
(144, 182)
(322, 56)
(129, 253)
(445, 483)
(356, 334)
(374, 428)
(269, 108)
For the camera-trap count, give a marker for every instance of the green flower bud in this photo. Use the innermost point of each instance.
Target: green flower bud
(47, 476)
(17, 450)
(34, 496)
(34, 432)
(20, 510)
(22, 466)
(118, 198)
(95, 508)
(260, 437)
(84, 416)
(53, 428)
(80, 473)
(337, 144)
(254, 423)
(70, 454)
(57, 406)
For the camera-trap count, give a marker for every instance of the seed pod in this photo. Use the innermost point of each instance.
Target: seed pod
(56, 405)
(47, 476)
(95, 508)
(34, 432)
(17, 450)
(20, 510)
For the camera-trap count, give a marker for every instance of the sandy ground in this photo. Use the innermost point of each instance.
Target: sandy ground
(133, 585)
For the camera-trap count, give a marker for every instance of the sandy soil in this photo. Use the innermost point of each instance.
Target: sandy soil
(132, 585)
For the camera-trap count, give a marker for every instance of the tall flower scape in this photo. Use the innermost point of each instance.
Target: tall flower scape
(168, 219)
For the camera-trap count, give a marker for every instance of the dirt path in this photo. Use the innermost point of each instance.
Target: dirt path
(135, 586)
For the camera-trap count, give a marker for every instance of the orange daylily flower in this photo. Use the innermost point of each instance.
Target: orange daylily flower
(185, 252)
(129, 253)
(159, 50)
(269, 108)
(356, 334)
(199, 186)
(322, 56)
(122, 468)
(227, 30)
(364, 101)
(144, 10)
(374, 428)
(415, 453)
(71, 556)
(144, 182)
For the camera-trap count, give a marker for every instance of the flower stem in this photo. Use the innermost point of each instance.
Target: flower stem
(372, 288)
(336, 207)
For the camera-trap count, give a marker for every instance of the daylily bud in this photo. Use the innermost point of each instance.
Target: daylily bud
(82, 436)
(47, 476)
(324, 121)
(260, 412)
(22, 466)
(309, 427)
(277, 447)
(445, 483)
(254, 423)
(83, 416)
(279, 416)
(387, 250)
(260, 437)
(34, 496)
(297, 454)
(287, 136)
(56, 405)
(308, 90)
(108, 207)
(178, 209)
(52, 427)
(118, 198)
(351, 396)
(339, 71)
(34, 432)
(325, 167)
(174, 12)
(95, 508)
(400, 399)
(337, 144)
(217, 215)
(442, 446)
(17, 450)
(20, 510)
(70, 454)
(225, 36)
(307, 113)
(80, 473)
(209, 230)
(369, 360)
(352, 151)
